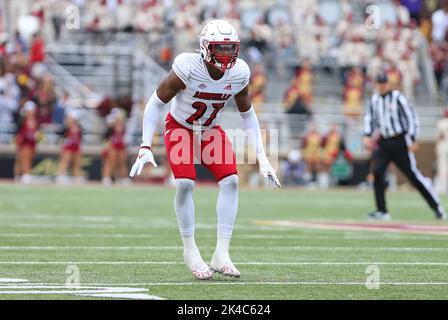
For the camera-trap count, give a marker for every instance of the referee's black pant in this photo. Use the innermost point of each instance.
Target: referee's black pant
(396, 150)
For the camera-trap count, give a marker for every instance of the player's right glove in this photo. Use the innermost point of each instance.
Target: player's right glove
(267, 171)
(144, 156)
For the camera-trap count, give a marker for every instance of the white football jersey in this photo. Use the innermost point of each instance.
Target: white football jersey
(203, 99)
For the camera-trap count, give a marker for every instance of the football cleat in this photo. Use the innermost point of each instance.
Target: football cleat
(378, 215)
(441, 214)
(221, 263)
(197, 266)
(203, 275)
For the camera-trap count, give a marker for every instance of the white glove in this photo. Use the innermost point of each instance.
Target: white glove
(266, 170)
(144, 156)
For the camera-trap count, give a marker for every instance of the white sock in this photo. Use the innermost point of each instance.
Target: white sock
(184, 207)
(222, 245)
(226, 209)
(189, 243)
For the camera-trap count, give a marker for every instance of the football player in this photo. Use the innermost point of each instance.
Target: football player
(200, 85)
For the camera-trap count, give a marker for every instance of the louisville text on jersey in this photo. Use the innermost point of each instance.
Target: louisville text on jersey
(212, 96)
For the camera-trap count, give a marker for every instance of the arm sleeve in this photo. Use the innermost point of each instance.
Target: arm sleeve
(252, 126)
(411, 117)
(151, 117)
(368, 119)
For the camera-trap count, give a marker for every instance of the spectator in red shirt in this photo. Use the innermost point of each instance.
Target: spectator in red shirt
(37, 51)
(3, 43)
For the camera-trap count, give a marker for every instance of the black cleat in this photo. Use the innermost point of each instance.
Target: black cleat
(441, 215)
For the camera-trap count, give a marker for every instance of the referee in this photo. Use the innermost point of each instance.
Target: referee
(396, 121)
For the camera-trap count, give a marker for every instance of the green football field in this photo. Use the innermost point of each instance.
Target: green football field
(92, 242)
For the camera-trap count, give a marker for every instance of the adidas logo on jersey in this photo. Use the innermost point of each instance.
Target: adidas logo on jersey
(229, 87)
(202, 86)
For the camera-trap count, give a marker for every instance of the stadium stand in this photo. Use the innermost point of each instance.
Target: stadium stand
(310, 60)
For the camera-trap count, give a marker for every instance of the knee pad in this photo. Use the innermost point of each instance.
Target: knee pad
(184, 186)
(230, 182)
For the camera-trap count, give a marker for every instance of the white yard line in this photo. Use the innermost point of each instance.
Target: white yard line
(101, 293)
(134, 225)
(397, 237)
(274, 283)
(224, 283)
(9, 280)
(336, 263)
(11, 287)
(267, 248)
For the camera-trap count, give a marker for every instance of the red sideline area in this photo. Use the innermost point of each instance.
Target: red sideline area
(356, 226)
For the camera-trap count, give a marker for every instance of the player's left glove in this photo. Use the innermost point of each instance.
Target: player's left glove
(266, 170)
(144, 156)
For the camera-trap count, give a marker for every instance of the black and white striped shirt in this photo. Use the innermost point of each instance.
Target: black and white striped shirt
(392, 115)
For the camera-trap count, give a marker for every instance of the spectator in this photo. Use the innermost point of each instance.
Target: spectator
(124, 16)
(18, 44)
(261, 36)
(45, 98)
(257, 86)
(57, 18)
(294, 104)
(376, 64)
(439, 53)
(304, 81)
(311, 151)
(440, 23)
(3, 44)
(403, 15)
(106, 105)
(37, 51)
(342, 166)
(149, 17)
(166, 56)
(71, 150)
(353, 92)
(62, 106)
(441, 180)
(102, 19)
(26, 143)
(299, 107)
(8, 104)
(429, 6)
(38, 10)
(395, 77)
(114, 155)
(330, 147)
(330, 150)
(294, 169)
(414, 7)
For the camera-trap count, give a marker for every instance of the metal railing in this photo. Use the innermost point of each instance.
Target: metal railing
(146, 76)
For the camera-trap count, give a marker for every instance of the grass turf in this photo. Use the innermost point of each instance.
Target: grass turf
(115, 235)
